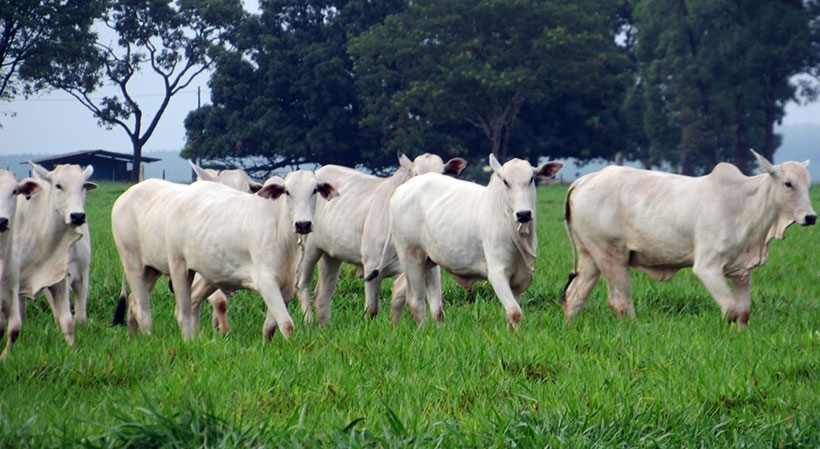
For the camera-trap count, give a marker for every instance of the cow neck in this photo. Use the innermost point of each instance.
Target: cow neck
(42, 241)
(524, 237)
(6, 241)
(398, 178)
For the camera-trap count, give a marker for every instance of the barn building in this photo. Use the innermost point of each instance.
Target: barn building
(108, 165)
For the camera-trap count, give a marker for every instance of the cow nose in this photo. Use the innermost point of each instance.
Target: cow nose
(77, 218)
(4, 224)
(303, 227)
(523, 216)
(811, 219)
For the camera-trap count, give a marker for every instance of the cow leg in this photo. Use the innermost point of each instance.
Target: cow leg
(79, 287)
(618, 287)
(580, 285)
(741, 291)
(182, 279)
(714, 281)
(325, 286)
(501, 285)
(310, 257)
(277, 314)
(61, 307)
(372, 295)
(14, 307)
(416, 274)
(142, 281)
(397, 298)
(219, 316)
(433, 291)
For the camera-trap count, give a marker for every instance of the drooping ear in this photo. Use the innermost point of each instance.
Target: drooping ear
(454, 166)
(89, 186)
(327, 191)
(495, 165)
(254, 186)
(764, 164)
(273, 188)
(548, 170)
(201, 173)
(28, 187)
(87, 172)
(405, 161)
(38, 170)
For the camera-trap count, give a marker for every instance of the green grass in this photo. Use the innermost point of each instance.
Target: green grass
(677, 376)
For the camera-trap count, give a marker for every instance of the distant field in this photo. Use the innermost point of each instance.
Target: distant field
(677, 376)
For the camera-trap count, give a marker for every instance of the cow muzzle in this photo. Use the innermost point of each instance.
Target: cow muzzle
(810, 220)
(303, 227)
(523, 216)
(4, 224)
(76, 218)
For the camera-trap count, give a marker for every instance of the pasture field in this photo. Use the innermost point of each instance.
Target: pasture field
(677, 376)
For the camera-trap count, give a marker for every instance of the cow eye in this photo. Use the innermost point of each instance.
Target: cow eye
(532, 179)
(14, 192)
(58, 186)
(505, 182)
(315, 190)
(287, 193)
(788, 184)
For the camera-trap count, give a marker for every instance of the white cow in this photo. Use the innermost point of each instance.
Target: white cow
(10, 314)
(79, 268)
(239, 180)
(234, 240)
(46, 225)
(354, 229)
(719, 224)
(471, 231)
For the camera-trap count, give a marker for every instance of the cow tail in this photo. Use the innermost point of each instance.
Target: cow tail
(375, 273)
(119, 312)
(568, 228)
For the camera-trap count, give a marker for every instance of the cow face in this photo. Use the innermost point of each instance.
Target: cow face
(9, 189)
(791, 189)
(518, 179)
(68, 185)
(298, 190)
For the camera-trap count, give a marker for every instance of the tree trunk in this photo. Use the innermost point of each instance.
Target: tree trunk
(136, 161)
(768, 134)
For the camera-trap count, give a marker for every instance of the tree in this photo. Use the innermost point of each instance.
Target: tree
(443, 64)
(715, 76)
(175, 41)
(34, 30)
(287, 96)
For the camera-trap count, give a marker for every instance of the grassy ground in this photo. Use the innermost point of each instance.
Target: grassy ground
(677, 376)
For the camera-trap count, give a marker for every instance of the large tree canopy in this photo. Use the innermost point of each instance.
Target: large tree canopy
(432, 72)
(287, 97)
(32, 31)
(715, 76)
(172, 40)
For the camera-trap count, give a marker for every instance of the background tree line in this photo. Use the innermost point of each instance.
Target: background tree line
(682, 84)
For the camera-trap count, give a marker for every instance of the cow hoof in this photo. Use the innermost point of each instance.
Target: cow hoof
(514, 318)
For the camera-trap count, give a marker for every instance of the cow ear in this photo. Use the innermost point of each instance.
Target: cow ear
(806, 163)
(764, 164)
(38, 170)
(28, 187)
(548, 170)
(201, 173)
(495, 165)
(87, 172)
(89, 186)
(454, 166)
(405, 161)
(327, 191)
(254, 186)
(273, 188)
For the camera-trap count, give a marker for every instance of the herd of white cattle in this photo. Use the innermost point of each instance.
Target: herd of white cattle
(226, 232)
